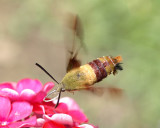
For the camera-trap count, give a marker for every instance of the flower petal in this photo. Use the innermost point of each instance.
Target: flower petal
(86, 126)
(74, 110)
(20, 110)
(27, 94)
(78, 116)
(34, 85)
(61, 119)
(44, 108)
(39, 97)
(52, 124)
(26, 123)
(48, 86)
(62, 108)
(40, 122)
(38, 108)
(5, 108)
(6, 85)
(10, 93)
(72, 105)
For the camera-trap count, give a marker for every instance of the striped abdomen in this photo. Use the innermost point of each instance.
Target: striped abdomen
(105, 65)
(88, 74)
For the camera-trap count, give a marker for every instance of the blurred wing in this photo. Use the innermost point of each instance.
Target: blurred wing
(75, 41)
(115, 92)
(73, 63)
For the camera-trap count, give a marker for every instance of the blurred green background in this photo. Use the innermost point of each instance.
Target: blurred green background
(31, 31)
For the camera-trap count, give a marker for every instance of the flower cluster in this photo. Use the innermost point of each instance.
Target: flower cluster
(22, 106)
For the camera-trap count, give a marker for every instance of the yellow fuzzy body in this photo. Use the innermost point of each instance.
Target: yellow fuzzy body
(79, 78)
(86, 75)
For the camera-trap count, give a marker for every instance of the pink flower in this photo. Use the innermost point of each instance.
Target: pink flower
(25, 90)
(70, 107)
(12, 114)
(63, 120)
(67, 114)
(25, 99)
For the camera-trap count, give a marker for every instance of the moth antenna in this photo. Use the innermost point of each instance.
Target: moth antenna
(47, 72)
